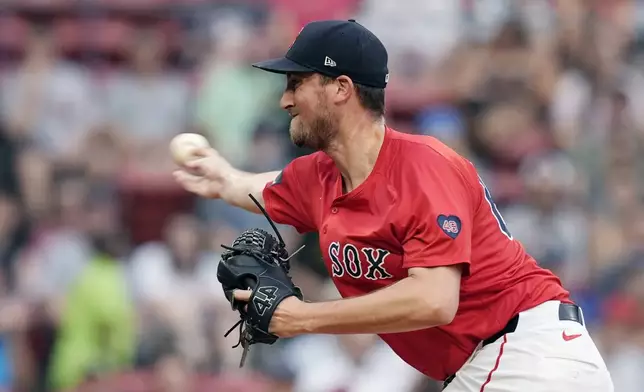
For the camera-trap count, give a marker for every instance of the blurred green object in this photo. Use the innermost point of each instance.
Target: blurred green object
(232, 102)
(97, 327)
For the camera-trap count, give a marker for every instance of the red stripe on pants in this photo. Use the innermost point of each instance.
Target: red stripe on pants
(496, 365)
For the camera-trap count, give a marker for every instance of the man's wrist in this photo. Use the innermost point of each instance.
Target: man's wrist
(306, 317)
(232, 185)
(291, 318)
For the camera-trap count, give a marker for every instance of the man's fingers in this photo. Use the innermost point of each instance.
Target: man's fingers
(189, 182)
(192, 170)
(196, 166)
(184, 178)
(198, 156)
(242, 295)
(203, 152)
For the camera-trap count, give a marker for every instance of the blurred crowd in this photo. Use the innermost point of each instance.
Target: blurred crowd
(107, 273)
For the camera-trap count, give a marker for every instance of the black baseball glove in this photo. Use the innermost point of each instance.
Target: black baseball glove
(256, 261)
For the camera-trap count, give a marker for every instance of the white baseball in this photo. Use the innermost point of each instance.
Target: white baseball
(183, 146)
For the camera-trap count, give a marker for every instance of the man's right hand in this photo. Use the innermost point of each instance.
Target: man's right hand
(211, 176)
(206, 174)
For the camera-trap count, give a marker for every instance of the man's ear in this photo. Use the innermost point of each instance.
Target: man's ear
(345, 88)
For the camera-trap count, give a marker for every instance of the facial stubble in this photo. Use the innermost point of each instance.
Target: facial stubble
(319, 133)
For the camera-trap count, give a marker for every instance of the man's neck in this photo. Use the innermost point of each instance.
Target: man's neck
(356, 150)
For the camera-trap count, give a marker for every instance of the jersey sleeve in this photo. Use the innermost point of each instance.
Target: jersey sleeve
(438, 223)
(288, 199)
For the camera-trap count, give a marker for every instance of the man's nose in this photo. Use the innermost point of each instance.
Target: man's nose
(286, 102)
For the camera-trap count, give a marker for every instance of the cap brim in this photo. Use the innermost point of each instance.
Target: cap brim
(281, 66)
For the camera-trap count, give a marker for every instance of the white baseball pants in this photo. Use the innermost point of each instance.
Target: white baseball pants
(543, 354)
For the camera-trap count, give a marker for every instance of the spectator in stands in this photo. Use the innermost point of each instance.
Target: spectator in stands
(48, 101)
(174, 284)
(147, 103)
(550, 223)
(97, 324)
(56, 252)
(233, 98)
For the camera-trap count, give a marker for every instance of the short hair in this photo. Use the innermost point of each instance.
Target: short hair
(371, 98)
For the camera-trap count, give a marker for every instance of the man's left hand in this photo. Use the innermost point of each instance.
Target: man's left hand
(288, 318)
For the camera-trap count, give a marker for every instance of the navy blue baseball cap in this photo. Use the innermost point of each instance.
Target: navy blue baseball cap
(334, 48)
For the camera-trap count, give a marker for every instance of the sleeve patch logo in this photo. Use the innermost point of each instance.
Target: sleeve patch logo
(451, 225)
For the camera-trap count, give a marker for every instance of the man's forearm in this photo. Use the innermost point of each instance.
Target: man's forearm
(240, 184)
(396, 308)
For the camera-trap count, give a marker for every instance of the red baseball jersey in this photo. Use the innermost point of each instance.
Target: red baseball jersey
(423, 205)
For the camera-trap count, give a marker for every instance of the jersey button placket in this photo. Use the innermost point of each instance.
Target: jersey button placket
(334, 210)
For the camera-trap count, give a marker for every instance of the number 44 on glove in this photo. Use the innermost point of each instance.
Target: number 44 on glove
(259, 262)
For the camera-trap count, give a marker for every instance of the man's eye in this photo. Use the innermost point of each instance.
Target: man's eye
(293, 84)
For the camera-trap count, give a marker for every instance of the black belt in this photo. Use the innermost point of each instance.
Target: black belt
(567, 312)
